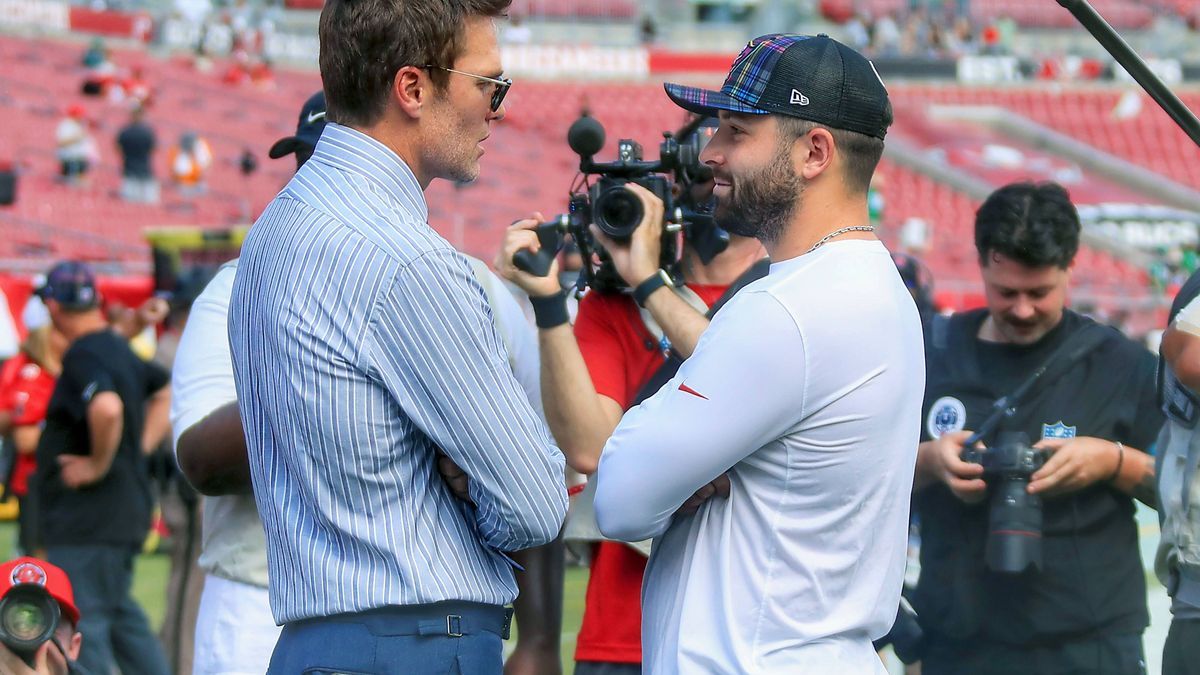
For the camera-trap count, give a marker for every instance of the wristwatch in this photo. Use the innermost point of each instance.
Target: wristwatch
(652, 283)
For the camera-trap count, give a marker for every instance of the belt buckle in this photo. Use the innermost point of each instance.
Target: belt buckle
(454, 625)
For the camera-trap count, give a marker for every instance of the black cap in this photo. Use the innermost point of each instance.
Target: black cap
(70, 284)
(815, 78)
(308, 129)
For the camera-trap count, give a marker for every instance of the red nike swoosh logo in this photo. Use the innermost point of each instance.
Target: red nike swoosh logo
(686, 389)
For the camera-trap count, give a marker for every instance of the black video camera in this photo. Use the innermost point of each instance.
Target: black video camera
(617, 212)
(1014, 541)
(28, 618)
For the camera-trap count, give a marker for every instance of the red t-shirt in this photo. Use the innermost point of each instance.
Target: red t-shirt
(621, 355)
(25, 390)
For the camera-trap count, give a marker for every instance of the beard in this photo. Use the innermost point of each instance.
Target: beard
(761, 204)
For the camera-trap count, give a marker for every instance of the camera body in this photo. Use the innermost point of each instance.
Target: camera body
(1014, 541)
(617, 212)
(28, 618)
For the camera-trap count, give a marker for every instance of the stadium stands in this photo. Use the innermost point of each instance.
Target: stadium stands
(527, 165)
(1031, 13)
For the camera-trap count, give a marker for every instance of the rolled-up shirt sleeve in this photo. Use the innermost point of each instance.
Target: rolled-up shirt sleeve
(436, 350)
(742, 388)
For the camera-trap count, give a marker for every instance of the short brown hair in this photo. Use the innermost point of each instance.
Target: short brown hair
(364, 43)
(861, 152)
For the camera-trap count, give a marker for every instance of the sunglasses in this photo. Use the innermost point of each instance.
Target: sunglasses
(502, 85)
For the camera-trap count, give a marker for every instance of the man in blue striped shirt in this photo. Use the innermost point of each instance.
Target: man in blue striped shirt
(363, 347)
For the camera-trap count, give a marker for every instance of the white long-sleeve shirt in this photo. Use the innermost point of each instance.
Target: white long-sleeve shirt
(807, 389)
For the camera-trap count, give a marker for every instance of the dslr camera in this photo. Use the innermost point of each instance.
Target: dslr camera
(28, 617)
(1014, 541)
(617, 212)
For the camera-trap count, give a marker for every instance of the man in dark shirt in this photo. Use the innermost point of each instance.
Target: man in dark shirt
(1084, 610)
(136, 142)
(91, 482)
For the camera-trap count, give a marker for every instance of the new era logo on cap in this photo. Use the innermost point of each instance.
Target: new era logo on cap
(815, 78)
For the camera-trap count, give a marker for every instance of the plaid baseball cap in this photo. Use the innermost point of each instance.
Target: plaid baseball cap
(70, 284)
(28, 570)
(308, 129)
(815, 78)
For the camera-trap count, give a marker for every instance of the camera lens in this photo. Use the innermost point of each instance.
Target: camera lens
(617, 212)
(28, 617)
(24, 620)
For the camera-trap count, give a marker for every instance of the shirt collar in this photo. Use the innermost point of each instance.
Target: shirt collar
(351, 150)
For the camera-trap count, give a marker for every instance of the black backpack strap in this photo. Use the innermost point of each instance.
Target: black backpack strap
(671, 365)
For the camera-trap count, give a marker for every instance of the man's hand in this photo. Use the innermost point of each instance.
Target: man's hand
(455, 478)
(522, 235)
(530, 661)
(944, 461)
(153, 312)
(638, 259)
(11, 664)
(1075, 464)
(78, 471)
(719, 487)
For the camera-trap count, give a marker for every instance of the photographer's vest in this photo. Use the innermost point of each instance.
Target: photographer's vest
(1092, 575)
(1177, 562)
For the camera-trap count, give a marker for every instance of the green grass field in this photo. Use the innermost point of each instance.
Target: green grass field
(150, 589)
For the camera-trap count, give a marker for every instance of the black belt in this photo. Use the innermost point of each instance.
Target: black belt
(451, 618)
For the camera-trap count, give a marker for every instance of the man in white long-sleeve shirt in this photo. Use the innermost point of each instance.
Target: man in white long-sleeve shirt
(805, 391)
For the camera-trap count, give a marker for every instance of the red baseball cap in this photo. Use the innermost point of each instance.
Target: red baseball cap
(28, 570)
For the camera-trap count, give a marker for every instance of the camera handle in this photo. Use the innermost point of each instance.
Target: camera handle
(549, 236)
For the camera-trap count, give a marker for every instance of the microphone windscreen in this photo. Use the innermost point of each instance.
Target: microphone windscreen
(586, 136)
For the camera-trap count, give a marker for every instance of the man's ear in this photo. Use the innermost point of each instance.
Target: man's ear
(818, 151)
(411, 88)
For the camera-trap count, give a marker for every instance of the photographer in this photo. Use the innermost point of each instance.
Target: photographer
(57, 655)
(1085, 609)
(592, 372)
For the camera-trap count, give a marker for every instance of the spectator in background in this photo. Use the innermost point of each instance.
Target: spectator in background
(135, 89)
(100, 70)
(136, 142)
(57, 655)
(886, 38)
(95, 55)
(75, 146)
(648, 30)
(190, 162)
(960, 41)
(26, 383)
(858, 35)
(92, 486)
(517, 32)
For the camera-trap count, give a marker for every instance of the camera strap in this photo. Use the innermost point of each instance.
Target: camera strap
(1070, 352)
(671, 365)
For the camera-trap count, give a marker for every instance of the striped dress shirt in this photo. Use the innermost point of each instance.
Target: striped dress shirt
(362, 346)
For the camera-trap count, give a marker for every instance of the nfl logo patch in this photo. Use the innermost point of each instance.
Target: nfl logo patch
(1059, 430)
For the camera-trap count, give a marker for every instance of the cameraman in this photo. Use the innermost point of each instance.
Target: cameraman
(592, 372)
(1085, 610)
(57, 655)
